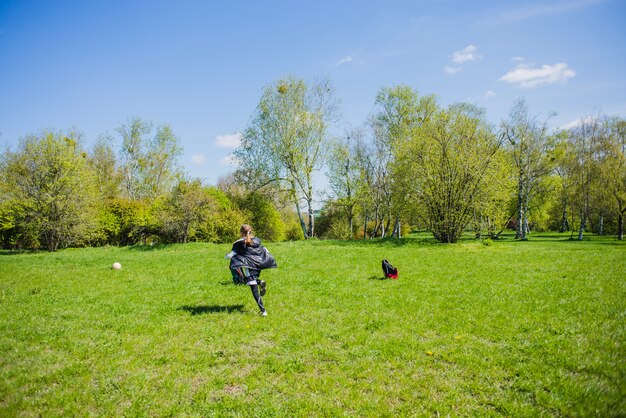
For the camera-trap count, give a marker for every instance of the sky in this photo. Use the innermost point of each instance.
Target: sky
(200, 66)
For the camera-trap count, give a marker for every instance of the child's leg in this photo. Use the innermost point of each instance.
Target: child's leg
(261, 283)
(257, 296)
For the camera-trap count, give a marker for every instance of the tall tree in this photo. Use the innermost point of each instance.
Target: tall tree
(344, 174)
(450, 157)
(613, 173)
(287, 140)
(584, 142)
(104, 166)
(52, 188)
(188, 206)
(401, 111)
(530, 145)
(148, 165)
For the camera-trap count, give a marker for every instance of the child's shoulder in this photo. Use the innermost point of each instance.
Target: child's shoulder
(238, 245)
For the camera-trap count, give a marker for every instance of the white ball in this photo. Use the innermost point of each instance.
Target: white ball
(116, 266)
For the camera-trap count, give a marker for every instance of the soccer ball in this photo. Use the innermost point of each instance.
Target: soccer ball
(116, 266)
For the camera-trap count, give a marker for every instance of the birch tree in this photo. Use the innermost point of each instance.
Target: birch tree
(584, 144)
(344, 174)
(287, 140)
(530, 144)
(613, 168)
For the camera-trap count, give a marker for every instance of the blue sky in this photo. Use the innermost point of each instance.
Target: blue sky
(200, 65)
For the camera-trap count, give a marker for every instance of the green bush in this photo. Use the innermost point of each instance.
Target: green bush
(261, 213)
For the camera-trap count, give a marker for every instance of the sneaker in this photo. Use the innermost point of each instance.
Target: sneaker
(262, 285)
(264, 313)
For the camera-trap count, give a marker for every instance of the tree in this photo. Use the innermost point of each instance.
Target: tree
(401, 112)
(188, 206)
(530, 146)
(148, 165)
(260, 211)
(287, 140)
(51, 189)
(104, 166)
(613, 168)
(451, 159)
(583, 163)
(344, 175)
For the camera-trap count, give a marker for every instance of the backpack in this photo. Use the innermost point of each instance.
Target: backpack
(389, 270)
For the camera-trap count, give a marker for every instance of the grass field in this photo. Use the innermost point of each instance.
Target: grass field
(513, 328)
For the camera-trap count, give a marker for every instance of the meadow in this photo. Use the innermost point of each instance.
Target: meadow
(503, 328)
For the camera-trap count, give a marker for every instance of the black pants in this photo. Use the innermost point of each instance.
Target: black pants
(251, 278)
(257, 295)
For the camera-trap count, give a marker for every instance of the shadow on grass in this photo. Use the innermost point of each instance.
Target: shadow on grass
(387, 242)
(562, 238)
(17, 252)
(207, 309)
(376, 278)
(142, 247)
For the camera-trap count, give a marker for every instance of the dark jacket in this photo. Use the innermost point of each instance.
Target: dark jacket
(255, 256)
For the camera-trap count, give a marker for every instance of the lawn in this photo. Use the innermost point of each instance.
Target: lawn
(512, 328)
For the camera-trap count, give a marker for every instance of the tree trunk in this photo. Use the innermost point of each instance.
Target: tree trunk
(309, 202)
(519, 234)
(387, 226)
(294, 196)
(365, 227)
(583, 221)
(620, 226)
(564, 221)
(311, 229)
(350, 222)
(601, 225)
(526, 227)
(376, 225)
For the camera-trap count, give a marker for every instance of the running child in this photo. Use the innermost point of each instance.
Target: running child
(247, 258)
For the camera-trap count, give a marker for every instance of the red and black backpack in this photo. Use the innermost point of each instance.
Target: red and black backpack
(389, 270)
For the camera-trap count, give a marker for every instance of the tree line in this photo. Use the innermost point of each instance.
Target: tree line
(127, 189)
(413, 164)
(417, 163)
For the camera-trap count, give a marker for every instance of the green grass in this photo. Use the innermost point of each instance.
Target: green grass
(513, 328)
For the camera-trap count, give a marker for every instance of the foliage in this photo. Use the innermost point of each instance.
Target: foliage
(186, 208)
(344, 175)
(48, 192)
(287, 140)
(128, 222)
(612, 169)
(148, 165)
(453, 161)
(261, 213)
(531, 149)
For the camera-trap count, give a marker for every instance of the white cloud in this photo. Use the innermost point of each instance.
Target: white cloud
(517, 59)
(452, 70)
(228, 160)
(198, 159)
(345, 60)
(467, 54)
(526, 76)
(229, 140)
(578, 122)
(490, 93)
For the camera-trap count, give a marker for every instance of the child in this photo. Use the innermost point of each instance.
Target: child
(247, 258)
